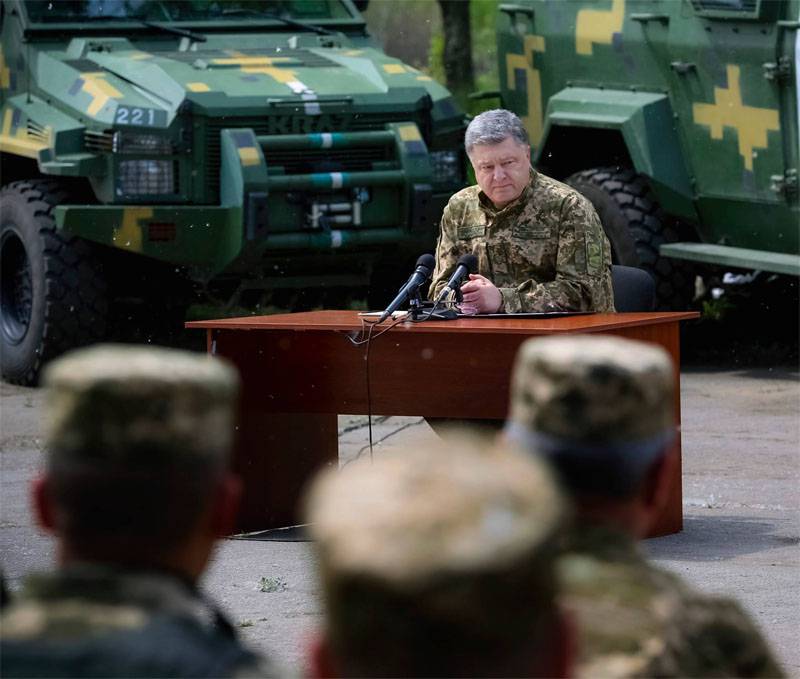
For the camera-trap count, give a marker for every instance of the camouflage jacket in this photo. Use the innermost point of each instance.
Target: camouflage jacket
(90, 621)
(636, 620)
(545, 251)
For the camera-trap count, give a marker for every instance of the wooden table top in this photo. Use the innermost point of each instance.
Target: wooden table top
(349, 321)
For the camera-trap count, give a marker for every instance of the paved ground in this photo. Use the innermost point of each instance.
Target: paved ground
(741, 445)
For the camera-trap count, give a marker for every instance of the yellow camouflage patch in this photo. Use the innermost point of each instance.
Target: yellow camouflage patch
(17, 141)
(533, 120)
(101, 91)
(409, 133)
(248, 155)
(129, 235)
(598, 26)
(5, 72)
(728, 110)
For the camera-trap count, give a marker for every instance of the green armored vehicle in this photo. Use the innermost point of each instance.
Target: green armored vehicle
(151, 149)
(678, 119)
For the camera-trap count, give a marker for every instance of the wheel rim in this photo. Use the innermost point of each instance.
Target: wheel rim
(16, 292)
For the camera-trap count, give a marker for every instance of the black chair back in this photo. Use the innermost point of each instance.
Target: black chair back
(634, 289)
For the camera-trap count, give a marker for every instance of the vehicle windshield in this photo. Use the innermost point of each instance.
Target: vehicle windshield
(66, 11)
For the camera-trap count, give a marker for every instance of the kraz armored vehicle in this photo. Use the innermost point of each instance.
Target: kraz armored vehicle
(151, 149)
(678, 119)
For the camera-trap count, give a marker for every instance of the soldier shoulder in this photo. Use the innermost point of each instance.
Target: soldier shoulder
(635, 619)
(723, 640)
(551, 192)
(92, 621)
(464, 196)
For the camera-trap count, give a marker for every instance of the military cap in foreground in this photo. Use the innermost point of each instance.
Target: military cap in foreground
(136, 490)
(601, 410)
(438, 562)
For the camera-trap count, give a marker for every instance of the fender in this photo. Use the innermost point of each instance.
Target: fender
(646, 123)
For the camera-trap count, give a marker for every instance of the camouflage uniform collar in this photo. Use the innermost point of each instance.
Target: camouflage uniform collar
(602, 542)
(156, 591)
(488, 206)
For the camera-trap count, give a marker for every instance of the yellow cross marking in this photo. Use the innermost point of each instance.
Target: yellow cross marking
(353, 53)
(129, 235)
(750, 122)
(598, 26)
(198, 87)
(263, 65)
(5, 72)
(534, 120)
(141, 55)
(424, 78)
(394, 68)
(100, 91)
(282, 75)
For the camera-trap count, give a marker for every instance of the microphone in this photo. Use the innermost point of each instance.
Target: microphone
(466, 264)
(421, 274)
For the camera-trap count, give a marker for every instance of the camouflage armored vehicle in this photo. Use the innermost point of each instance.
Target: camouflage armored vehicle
(153, 148)
(678, 119)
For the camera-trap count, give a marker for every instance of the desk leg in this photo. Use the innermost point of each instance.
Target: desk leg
(276, 455)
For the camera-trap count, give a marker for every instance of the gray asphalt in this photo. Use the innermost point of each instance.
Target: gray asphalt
(741, 457)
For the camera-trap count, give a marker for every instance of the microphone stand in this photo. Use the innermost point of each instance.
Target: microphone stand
(415, 306)
(425, 311)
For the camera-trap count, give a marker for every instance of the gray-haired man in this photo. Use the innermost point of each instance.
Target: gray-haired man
(539, 243)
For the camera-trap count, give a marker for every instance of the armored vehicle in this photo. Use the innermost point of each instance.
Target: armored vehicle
(151, 148)
(678, 119)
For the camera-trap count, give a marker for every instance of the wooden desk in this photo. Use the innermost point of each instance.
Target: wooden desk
(299, 371)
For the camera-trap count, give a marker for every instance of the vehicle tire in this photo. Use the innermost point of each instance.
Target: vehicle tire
(636, 226)
(53, 295)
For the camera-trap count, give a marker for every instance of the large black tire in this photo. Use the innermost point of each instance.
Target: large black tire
(636, 226)
(53, 295)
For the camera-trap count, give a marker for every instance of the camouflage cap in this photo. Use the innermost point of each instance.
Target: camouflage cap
(443, 508)
(425, 557)
(124, 404)
(592, 391)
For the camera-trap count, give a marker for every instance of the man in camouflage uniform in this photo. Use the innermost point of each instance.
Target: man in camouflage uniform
(601, 409)
(539, 243)
(136, 490)
(439, 562)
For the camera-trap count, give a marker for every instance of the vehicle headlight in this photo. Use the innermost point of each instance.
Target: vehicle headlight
(146, 177)
(446, 166)
(137, 142)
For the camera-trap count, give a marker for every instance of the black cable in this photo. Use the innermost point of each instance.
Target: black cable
(368, 328)
(369, 390)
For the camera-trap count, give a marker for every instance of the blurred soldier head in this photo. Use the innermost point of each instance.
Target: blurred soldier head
(439, 562)
(498, 148)
(137, 444)
(602, 410)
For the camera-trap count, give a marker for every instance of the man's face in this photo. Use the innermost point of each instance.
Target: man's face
(502, 170)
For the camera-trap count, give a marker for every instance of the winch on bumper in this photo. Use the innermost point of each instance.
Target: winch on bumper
(284, 195)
